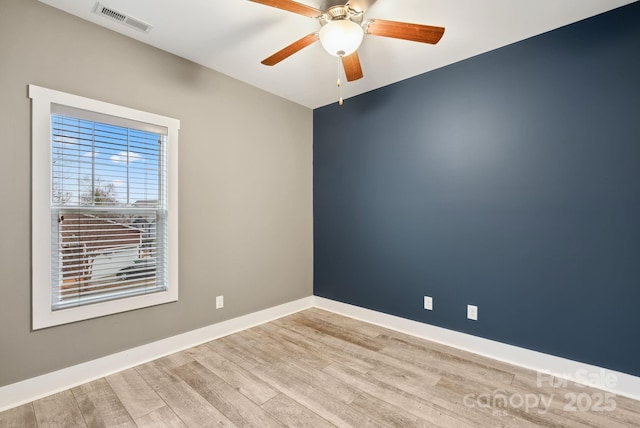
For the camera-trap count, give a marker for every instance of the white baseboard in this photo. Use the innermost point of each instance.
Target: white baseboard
(41, 386)
(615, 382)
(23, 392)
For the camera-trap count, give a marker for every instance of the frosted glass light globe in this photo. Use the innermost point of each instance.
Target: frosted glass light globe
(341, 37)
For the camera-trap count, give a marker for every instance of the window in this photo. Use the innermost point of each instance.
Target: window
(104, 208)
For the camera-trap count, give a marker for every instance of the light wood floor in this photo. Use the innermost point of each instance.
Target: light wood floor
(317, 369)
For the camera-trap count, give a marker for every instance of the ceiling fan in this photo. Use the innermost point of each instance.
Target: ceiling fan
(342, 29)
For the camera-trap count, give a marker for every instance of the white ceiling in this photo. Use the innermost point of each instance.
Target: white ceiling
(233, 36)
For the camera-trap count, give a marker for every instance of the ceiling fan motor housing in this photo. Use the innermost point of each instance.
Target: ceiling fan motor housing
(339, 12)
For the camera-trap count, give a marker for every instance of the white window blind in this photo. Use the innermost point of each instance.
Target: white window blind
(105, 208)
(108, 206)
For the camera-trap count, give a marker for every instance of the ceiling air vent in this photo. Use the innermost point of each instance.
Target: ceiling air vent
(122, 18)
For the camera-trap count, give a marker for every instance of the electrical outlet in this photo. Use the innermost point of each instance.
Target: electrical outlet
(219, 302)
(472, 312)
(428, 303)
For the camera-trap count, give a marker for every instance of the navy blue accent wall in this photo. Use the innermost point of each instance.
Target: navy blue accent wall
(510, 180)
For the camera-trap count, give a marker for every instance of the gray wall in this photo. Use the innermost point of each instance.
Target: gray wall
(510, 181)
(245, 190)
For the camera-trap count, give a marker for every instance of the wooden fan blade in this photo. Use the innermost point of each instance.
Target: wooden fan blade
(291, 6)
(361, 5)
(352, 68)
(291, 49)
(405, 31)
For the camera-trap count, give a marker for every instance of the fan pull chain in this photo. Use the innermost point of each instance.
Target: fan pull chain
(340, 101)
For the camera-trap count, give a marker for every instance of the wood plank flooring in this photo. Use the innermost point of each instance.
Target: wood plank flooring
(318, 369)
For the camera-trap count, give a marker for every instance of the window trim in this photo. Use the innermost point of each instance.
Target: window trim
(42, 314)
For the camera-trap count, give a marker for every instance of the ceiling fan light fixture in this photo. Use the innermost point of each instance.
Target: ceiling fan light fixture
(341, 37)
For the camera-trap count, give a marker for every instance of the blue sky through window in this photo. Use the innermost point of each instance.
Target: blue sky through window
(101, 164)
